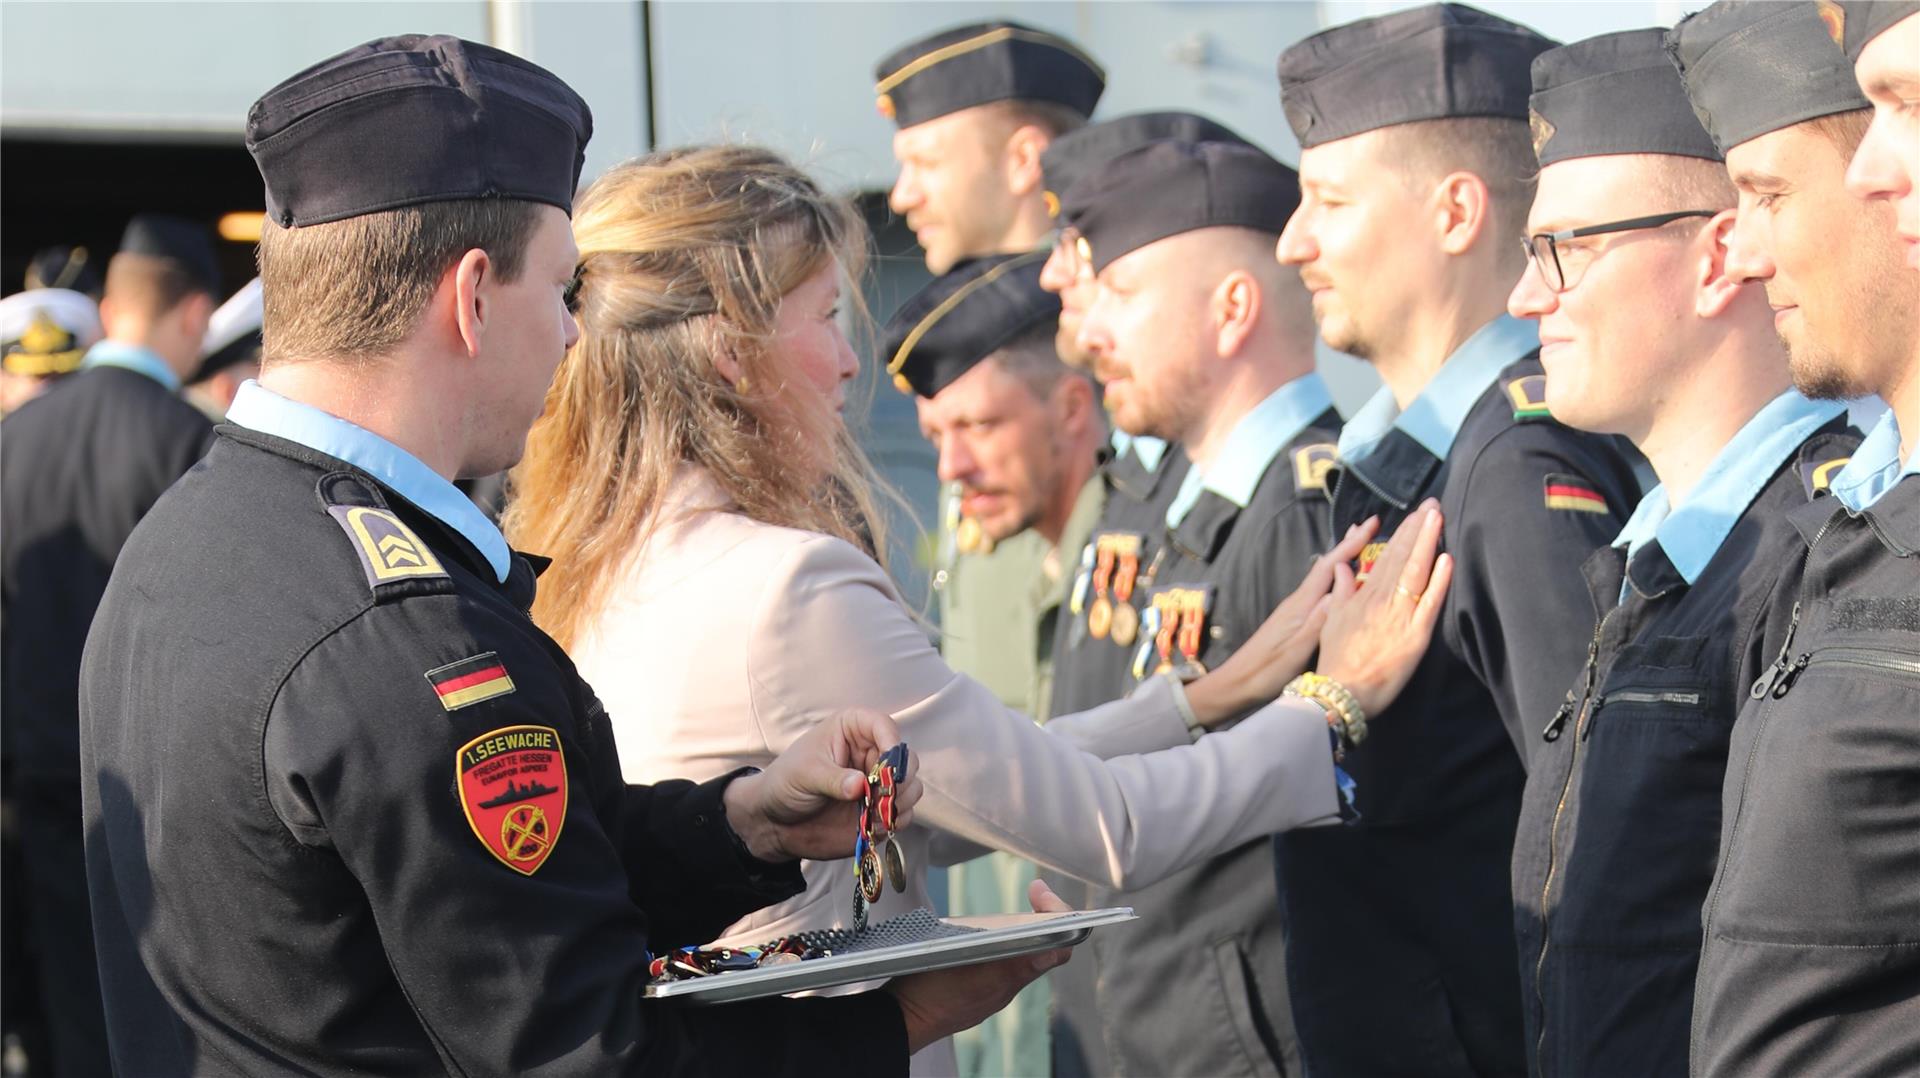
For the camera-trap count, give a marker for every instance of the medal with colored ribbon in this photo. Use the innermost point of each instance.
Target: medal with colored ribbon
(876, 852)
(1182, 623)
(1100, 614)
(1126, 619)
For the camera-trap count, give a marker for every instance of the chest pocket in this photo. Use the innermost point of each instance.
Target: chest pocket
(1823, 852)
(1641, 856)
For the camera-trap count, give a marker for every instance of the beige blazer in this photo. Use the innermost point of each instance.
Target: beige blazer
(727, 639)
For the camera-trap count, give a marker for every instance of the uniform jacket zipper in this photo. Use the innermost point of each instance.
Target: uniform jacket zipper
(1761, 688)
(1552, 733)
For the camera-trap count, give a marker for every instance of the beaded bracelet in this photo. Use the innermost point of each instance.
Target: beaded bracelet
(1338, 702)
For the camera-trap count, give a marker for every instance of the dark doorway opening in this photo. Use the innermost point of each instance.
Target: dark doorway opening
(82, 191)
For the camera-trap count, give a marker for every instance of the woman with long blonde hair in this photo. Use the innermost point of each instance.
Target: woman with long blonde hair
(716, 568)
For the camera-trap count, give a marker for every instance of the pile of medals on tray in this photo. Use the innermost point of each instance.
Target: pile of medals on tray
(876, 856)
(877, 860)
(690, 962)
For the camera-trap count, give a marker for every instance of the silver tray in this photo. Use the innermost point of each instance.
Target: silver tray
(990, 937)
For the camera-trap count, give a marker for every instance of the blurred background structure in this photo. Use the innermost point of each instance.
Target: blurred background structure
(108, 109)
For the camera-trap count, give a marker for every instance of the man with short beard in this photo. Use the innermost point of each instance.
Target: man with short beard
(1143, 473)
(1810, 961)
(1644, 334)
(1206, 343)
(1414, 168)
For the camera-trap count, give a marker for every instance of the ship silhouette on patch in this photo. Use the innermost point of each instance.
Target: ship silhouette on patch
(519, 793)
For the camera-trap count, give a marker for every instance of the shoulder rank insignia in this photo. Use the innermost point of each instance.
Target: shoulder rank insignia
(470, 681)
(1817, 475)
(1529, 397)
(1311, 463)
(513, 786)
(1574, 494)
(388, 549)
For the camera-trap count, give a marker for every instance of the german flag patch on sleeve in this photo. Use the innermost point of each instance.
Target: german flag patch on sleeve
(1574, 494)
(470, 681)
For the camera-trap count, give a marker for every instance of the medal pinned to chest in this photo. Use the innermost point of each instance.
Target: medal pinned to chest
(877, 857)
(1177, 615)
(1116, 575)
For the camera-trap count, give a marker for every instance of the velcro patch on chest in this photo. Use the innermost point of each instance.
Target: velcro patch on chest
(470, 681)
(1817, 475)
(1311, 463)
(1573, 494)
(513, 787)
(1880, 613)
(1529, 397)
(388, 549)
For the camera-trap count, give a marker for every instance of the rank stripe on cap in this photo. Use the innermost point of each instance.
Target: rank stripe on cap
(1567, 492)
(470, 681)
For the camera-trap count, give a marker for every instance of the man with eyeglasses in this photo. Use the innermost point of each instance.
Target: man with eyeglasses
(1414, 171)
(1810, 957)
(1644, 334)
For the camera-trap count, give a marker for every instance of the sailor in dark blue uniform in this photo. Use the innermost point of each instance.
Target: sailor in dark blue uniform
(1810, 961)
(79, 466)
(1209, 344)
(1621, 823)
(1413, 170)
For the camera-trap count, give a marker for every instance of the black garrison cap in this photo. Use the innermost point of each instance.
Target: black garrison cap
(1436, 62)
(1853, 23)
(160, 235)
(1755, 66)
(982, 62)
(404, 120)
(967, 314)
(1087, 150)
(1165, 188)
(1616, 93)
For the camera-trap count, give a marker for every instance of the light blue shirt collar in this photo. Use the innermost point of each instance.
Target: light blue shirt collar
(1256, 439)
(1691, 532)
(1434, 417)
(259, 408)
(134, 358)
(1875, 467)
(1149, 449)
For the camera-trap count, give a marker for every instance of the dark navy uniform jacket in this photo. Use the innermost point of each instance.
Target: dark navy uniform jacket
(1210, 937)
(79, 467)
(1409, 914)
(1621, 823)
(1811, 959)
(304, 854)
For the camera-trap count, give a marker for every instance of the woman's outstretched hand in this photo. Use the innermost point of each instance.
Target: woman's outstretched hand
(1377, 630)
(1283, 645)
